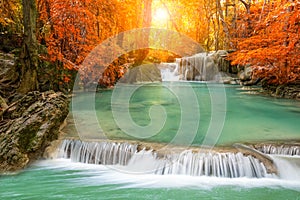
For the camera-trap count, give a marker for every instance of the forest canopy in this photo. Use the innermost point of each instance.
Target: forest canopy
(263, 33)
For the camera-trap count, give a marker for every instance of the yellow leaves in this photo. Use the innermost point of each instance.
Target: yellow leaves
(3, 22)
(11, 15)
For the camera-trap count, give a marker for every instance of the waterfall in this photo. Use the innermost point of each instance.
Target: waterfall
(105, 153)
(230, 165)
(282, 149)
(288, 166)
(199, 67)
(169, 71)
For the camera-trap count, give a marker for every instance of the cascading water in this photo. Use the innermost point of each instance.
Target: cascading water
(282, 149)
(199, 67)
(105, 153)
(286, 159)
(288, 166)
(169, 71)
(230, 165)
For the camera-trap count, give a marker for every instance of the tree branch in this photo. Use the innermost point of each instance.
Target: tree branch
(247, 5)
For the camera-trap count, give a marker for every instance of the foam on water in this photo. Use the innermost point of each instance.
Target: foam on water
(288, 166)
(231, 165)
(95, 175)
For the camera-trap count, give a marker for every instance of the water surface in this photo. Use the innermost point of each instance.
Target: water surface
(249, 118)
(61, 179)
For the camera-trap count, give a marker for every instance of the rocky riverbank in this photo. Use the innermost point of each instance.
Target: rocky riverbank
(290, 91)
(28, 123)
(28, 126)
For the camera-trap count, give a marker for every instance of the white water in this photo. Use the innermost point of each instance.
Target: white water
(95, 175)
(288, 166)
(169, 71)
(199, 67)
(128, 159)
(127, 176)
(105, 153)
(125, 157)
(199, 164)
(283, 149)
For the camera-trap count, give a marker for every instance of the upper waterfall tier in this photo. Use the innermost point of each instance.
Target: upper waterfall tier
(169, 71)
(199, 67)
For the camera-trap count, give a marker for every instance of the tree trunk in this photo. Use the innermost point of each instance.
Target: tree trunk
(227, 39)
(29, 54)
(147, 18)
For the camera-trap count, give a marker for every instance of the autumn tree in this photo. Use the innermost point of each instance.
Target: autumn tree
(272, 48)
(66, 30)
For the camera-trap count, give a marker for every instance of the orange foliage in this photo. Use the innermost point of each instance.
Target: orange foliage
(269, 41)
(112, 74)
(67, 30)
(72, 29)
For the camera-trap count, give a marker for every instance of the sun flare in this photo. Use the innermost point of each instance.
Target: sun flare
(161, 14)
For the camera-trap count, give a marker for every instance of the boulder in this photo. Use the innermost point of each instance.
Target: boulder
(224, 65)
(146, 73)
(211, 69)
(246, 74)
(28, 127)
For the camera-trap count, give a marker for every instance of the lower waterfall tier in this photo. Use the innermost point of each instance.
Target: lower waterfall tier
(230, 165)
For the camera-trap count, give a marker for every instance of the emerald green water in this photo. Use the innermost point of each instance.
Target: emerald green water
(249, 118)
(60, 179)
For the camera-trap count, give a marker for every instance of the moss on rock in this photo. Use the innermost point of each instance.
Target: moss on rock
(28, 127)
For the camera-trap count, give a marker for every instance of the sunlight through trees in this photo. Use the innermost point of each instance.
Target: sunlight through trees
(264, 33)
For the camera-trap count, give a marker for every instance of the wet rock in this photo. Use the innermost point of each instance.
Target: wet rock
(289, 91)
(224, 65)
(246, 74)
(28, 127)
(227, 78)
